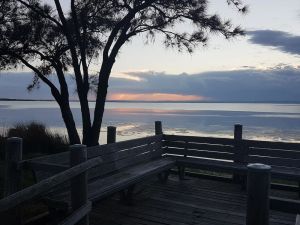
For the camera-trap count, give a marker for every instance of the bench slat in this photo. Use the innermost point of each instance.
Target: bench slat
(275, 153)
(274, 161)
(199, 146)
(114, 166)
(106, 186)
(118, 146)
(206, 164)
(210, 140)
(204, 154)
(273, 145)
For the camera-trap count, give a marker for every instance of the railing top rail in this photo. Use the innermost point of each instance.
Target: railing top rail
(45, 185)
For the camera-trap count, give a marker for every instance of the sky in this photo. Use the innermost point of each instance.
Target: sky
(264, 65)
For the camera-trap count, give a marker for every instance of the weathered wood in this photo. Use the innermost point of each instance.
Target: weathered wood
(194, 139)
(240, 151)
(158, 128)
(79, 194)
(48, 167)
(275, 161)
(13, 176)
(258, 187)
(127, 177)
(285, 205)
(62, 158)
(45, 185)
(203, 154)
(13, 155)
(77, 215)
(111, 134)
(238, 145)
(105, 186)
(200, 146)
(288, 154)
(119, 146)
(191, 201)
(273, 145)
(121, 159)
(206, 164)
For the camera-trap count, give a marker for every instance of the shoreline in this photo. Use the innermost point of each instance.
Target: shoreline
(124, 101)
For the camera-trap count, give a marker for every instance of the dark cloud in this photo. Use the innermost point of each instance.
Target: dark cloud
(280, 83)
(280, 40)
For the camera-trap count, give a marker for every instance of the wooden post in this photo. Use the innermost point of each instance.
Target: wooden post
(158, 128)
(111, 134)
(79, 196)
(239, 150)
(13, 175)
(258, 188)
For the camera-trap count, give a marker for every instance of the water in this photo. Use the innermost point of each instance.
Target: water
(280, 122)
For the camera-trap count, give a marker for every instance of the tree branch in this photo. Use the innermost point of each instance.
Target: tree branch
(39, 11)
(53, 88)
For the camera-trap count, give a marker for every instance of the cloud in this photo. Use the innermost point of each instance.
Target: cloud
(155, 97)
(280, 40)
(278, 84)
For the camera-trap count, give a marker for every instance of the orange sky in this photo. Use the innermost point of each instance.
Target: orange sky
(154, 97)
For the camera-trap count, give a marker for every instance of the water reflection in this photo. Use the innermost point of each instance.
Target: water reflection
(279, 122)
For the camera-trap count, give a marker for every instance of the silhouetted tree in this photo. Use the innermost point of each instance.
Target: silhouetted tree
(49, 40)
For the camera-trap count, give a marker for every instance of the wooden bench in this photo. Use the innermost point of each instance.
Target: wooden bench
(124, 165)
(283, 157)
(232, 156)
(205, 153)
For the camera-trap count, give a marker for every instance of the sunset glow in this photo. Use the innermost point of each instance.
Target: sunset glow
(154, 97)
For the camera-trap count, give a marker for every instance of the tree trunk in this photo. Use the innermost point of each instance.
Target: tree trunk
(99, 115)
(69, 122)
(101, 98)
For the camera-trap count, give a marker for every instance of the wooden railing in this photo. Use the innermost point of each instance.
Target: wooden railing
(77, 174)
(236, 150)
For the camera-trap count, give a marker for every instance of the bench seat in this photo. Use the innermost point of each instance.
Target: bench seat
(103, 187)
(209, 164)
(287, 173)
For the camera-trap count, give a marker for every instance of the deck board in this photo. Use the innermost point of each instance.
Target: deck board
(192, 201)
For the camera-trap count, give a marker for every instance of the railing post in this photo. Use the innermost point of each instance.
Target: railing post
(13, 175)
(111, 134)
(78, 154)
(239, 150)
(258, 187)
(158, 128)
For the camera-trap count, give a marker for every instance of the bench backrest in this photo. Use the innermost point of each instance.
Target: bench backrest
(115, 156)
(243, 151)
(202, 147)
(273, 153)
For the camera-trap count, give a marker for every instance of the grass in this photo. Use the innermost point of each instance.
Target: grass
(37, 140)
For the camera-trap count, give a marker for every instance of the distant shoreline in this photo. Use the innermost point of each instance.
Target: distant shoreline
(124, 101)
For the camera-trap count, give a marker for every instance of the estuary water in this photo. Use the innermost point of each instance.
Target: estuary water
(277, 122)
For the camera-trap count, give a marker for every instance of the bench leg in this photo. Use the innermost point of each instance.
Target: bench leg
(163, 177)
(181, 172)
(126, 196)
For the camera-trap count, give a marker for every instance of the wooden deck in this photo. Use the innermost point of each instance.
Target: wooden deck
(192, 201)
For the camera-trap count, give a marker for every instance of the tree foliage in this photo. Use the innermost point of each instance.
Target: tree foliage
(50, 41)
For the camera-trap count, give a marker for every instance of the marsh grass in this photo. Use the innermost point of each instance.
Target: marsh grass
(37, 139)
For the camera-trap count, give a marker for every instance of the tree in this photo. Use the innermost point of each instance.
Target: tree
(50, 41)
